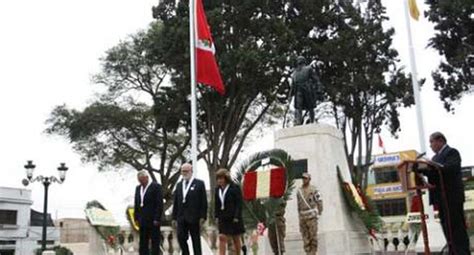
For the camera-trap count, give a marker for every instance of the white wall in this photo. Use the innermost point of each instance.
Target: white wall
(20, 201)
(26, 237)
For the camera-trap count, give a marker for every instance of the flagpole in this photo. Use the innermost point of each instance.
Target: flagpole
(414, 82)
(192, 51)
(418, 106)
(435, 236)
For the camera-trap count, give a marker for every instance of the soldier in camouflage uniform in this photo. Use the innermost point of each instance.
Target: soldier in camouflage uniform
(277, 243)
(310, 207)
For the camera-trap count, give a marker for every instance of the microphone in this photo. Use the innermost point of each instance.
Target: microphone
(421, 155)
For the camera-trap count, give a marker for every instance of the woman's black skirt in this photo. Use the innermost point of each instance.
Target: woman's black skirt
(229, 227)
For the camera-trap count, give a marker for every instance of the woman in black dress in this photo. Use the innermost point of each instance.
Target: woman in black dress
(228, 211)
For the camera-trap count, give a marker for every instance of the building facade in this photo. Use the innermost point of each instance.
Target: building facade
(385, 189)
(20, 226)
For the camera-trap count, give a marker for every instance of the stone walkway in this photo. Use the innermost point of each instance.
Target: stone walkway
(83, 248)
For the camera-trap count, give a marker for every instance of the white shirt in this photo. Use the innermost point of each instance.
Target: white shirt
(186, 187)
(222, 193)
(143, 192)
(442, 149)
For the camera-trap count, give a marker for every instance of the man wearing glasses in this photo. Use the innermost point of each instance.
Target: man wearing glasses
(189, 209)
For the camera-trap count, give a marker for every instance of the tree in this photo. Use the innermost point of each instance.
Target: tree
(136, 122)
(365, 85)
(454, 40)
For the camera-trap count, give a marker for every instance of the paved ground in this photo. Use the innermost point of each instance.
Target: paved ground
(83, 248)
(78, 248)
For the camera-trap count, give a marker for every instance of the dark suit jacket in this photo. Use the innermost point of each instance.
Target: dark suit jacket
(152, 209)
(195, 207)
(452, 177)
(232, 204)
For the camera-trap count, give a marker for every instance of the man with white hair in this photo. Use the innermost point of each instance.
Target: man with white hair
(148, 211)
(189, 209)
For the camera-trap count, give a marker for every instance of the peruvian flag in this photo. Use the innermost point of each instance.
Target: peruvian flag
(207, 71)
(381, 145)
(264, 184)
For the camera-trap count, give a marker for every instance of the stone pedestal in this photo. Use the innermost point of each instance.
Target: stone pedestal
(323, 148)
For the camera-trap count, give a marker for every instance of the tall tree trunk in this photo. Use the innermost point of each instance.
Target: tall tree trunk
(212, 184)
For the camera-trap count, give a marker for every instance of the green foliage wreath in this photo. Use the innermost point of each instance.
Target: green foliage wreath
(263, 211)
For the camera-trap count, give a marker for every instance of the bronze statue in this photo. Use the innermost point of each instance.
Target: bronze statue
(306, 88)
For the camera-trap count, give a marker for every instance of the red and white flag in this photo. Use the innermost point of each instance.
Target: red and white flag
(381, 145)
(264, 184)
(207, 70)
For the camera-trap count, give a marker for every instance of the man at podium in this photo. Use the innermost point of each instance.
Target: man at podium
(451, 213)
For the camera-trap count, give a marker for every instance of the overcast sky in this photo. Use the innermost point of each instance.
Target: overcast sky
(48, 51)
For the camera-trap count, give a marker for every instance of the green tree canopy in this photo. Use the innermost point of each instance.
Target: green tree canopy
(366, 85)
(454, 40)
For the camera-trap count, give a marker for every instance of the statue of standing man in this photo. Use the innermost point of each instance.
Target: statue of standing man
(306, 88)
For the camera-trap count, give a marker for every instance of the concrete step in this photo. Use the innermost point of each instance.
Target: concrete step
(294, 244)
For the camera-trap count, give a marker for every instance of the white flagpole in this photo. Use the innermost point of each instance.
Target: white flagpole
(435, 236)
(192, 50)
(415, 85)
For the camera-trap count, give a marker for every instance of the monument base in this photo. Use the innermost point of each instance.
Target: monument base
(344, 242)
(321, 147)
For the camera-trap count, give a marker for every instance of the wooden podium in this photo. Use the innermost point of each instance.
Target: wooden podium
(412, 180)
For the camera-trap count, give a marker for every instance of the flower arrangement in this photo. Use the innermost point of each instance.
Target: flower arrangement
(359, 203)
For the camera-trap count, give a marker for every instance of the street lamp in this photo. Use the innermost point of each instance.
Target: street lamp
(46, 181)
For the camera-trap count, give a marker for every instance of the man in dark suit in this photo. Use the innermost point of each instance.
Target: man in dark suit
(148, 211)
(189, 209)
(451, 213)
